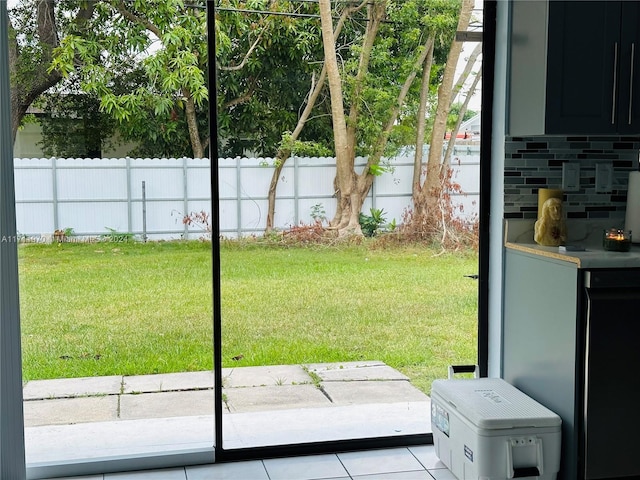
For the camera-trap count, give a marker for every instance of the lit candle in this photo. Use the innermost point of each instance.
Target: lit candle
(617, 240)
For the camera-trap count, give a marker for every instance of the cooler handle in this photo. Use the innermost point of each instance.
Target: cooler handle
(453, 369)
(523, 472)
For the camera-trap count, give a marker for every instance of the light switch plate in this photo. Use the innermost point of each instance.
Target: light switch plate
(604, 177)
(571, 176)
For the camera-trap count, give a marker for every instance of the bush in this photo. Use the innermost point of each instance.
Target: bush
(442, 225)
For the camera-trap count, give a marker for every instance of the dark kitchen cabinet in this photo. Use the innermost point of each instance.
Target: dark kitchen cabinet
(570, 341)
(574, 68)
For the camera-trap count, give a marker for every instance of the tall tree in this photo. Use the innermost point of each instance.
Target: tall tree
(267, 53)
(33, 36)
(371, 95)
(426, 195)
(100, 46)
(167, 38)
(290, 142)
(146, 62)
(345, 153)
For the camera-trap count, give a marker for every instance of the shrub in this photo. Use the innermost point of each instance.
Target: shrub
(200, 220)
(375, 223)
(443, 225)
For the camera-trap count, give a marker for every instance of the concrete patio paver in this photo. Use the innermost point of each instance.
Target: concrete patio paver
(72, 387)
(264, 376)
(245, 390)
(355, 371)
(164, 382)
(274, 398)
(166, 404)
(65, 411)
(355, 392)
(268, 405)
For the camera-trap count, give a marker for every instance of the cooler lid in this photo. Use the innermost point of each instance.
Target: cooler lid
(492, 403)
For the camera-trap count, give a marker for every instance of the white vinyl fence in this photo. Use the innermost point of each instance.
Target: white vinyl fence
(149, 197)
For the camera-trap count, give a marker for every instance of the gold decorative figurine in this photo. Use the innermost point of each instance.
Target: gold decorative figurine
(550, 229)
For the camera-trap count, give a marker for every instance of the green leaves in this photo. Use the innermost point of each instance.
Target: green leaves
(378, 169)
(265, 66)
(372, 224)
(172, 37)
(303, 148)
(166, 41)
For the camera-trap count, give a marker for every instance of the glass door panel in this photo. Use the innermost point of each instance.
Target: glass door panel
(325, 340)
(117, 348)
(114, 257)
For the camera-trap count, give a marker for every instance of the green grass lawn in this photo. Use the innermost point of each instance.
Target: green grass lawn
(132, 308)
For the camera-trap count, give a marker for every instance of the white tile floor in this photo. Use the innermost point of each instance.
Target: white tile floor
(410, 463)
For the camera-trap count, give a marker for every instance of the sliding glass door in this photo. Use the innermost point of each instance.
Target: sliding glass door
(113, 258)
(316, 343)
(325, 341)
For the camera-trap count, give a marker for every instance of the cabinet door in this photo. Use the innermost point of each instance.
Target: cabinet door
(612, 384)
(583, 67)
(540, 340)
(629, 83)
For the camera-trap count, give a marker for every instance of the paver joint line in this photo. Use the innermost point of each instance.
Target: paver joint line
(325, 393)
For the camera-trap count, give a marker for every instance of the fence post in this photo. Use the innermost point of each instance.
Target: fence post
(239, 196)
(54, 179)
(129, 199)
(185, 192)
(144, 212)
(296, 190)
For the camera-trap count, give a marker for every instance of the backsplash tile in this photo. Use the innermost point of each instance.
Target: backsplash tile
(532, 163)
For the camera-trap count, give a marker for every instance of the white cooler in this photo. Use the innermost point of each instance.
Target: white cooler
(485, 428)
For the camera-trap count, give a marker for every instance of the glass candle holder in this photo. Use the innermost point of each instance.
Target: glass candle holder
(615, 240)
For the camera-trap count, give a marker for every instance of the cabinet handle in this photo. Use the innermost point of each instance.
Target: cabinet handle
(633, 52)
(615, 81)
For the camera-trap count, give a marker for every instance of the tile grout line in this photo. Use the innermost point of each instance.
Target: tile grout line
(343, 466)
(266, 471)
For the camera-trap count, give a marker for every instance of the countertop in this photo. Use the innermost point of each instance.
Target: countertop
(590, 258)
(519, 237)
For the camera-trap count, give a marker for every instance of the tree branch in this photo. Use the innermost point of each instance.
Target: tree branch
(463, 109)
(366, 178)
(241, 65)
(377, 13)
(47, 31)
(129, 15)
(466, 72)
(25, 90)
(239, 100)
(422, 120)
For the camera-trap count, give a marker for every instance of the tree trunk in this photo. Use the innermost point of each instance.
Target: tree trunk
(192, 124)
(350, 200)
(421, 124)
(283, 154)
(345, 175)
(426, 199)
